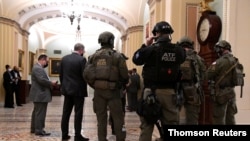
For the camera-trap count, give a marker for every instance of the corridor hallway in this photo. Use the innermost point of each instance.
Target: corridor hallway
(15, 123)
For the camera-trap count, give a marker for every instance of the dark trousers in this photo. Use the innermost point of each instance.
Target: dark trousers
(9, 99)
(69, 103)
(38, 117)
(17, 94)
(132, 101)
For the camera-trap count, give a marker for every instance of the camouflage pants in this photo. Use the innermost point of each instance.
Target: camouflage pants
(108, 98)
(170, 112)
(192, 114)
(224, 114)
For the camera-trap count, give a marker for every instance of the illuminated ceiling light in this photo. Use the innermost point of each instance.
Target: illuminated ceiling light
(73, 12)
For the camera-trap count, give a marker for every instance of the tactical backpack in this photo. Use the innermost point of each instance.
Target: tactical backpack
(89, 73)
(187, 69)
(238, 74)
(100, 70)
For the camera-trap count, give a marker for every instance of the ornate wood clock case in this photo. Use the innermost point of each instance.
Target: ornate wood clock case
(208, 33)
(209, 28)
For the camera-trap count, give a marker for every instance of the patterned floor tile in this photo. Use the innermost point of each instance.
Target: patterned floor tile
(15, 123)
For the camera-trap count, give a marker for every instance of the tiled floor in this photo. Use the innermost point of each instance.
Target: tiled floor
(15, 123)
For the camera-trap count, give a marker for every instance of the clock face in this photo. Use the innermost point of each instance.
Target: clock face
(204, 29)
(208, 30)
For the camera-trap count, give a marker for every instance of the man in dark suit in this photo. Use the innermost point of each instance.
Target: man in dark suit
(136, 85)
(16, 85)
(40, 94)
(132, 90)
(8, 81)
(74, 89)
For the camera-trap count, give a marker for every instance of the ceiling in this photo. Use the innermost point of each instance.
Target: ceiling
(112, 15)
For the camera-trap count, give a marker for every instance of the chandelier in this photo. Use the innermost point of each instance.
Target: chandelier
(74, 12)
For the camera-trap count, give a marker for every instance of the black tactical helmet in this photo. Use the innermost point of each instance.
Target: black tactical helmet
(185, 41)
(223, 44)
(106, 38)
(162, 27)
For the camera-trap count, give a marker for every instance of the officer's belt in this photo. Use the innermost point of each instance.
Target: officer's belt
(104, 84)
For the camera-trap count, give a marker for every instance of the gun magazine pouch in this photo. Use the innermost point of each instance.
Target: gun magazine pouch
(191, 96)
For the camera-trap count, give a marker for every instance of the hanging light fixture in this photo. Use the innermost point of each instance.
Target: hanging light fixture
(72, 12)
(78, 30)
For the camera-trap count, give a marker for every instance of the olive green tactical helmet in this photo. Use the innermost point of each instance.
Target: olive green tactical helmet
(185, 41)
(223, 44)
(106, 38)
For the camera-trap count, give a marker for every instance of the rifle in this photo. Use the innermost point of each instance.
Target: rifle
(160, 129)
(242, 84)
(198, 81)
(179, 95)
(241, 89)
(212, 88)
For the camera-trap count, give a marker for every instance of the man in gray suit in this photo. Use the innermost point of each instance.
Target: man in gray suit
(40, 94)
(74, 89)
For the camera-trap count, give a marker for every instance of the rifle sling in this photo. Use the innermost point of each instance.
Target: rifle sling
(233, 66)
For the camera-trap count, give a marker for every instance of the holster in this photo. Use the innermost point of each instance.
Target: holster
(191, 96)
(224, 95)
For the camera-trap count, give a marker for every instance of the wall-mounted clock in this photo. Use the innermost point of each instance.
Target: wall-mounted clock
(209, 28)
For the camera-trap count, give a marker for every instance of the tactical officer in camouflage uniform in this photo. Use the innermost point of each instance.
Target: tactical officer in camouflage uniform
(148, 55)
(107, 91)
(193, 71)
(222, 92)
